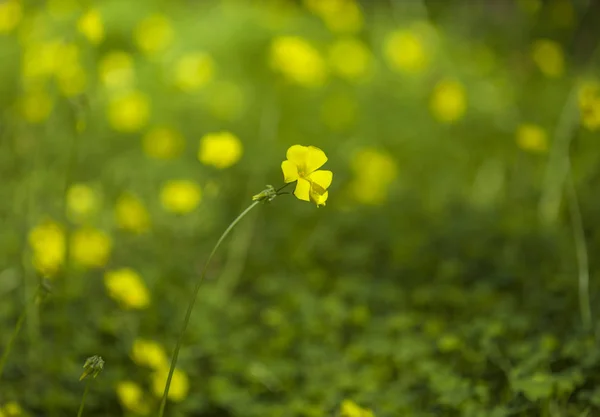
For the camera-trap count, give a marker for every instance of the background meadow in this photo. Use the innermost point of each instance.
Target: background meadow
(451, 273)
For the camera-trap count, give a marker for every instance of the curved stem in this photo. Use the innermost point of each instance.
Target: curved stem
(581, 251)
(16, 331)
(190, 308)
(85, 392)
(12, 339)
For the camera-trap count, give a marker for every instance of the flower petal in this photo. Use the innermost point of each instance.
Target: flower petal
(302, 191)
(290, 171)
(297, 154)
(323, 199)
(322, 178)
(315, 158)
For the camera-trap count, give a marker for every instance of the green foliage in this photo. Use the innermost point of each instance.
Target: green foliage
(433, 283)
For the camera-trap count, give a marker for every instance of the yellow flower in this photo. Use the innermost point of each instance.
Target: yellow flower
(374, 173)
(90, 247)
(298, 61)
(129, 112)
(116, 70)
(82, 201)
(180, 196)
(149, 353)
(36, 106)
(131, 214)
(162, 143)
(225, 100)
(220, 149)
(48, 242)
(194, 71)
(549, 57)
(589, 104)
(350, 59)
(448, 101)
(153, 34)
(127, 287)
(532, 138)
(409, 50)
(11, 409)
(179, 388)
(90, 25)
(340, 16)
(302, 165)
(349, 408)
(10, 15)
(132, 398)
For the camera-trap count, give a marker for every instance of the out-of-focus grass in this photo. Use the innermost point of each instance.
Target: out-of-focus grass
(440, 279)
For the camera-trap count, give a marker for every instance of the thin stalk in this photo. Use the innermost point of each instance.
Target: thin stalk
(12, 339)
(85, 392)
(15, 333)
(583, 270)
(190, 308)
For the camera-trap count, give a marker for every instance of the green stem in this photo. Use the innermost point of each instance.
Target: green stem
(583, 270)
(190, 308)
(85, 392)
(14, 335)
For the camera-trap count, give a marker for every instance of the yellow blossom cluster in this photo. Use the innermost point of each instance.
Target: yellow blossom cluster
(371, 186)
(589, 104)
(150, 354)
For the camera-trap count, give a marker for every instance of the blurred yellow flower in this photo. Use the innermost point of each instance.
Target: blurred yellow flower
(90, 25)
(36, 105)
(48, 243)
(10, 15)
(132, 398)
(350, 59)
(371, 186)
(589, 104)
(193, 71)
(154, 34)
(298, 61)
(409, 50)
(349, 408)
(549, 58)
(149, 353)
(180, 196)
(82, 201)
(162, 143)
(340, 16)
(38, 59)
(11, 409)
(131, 214)
(339, 111)
(129, 112)
(90, 247)
(302, 165)
(180, 384)
(226, 100)
(127, 287)
(220, 149)
(532, 138)
(448, 102)
(116, 70)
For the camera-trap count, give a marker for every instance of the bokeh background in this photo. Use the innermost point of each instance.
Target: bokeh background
(451, 273)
